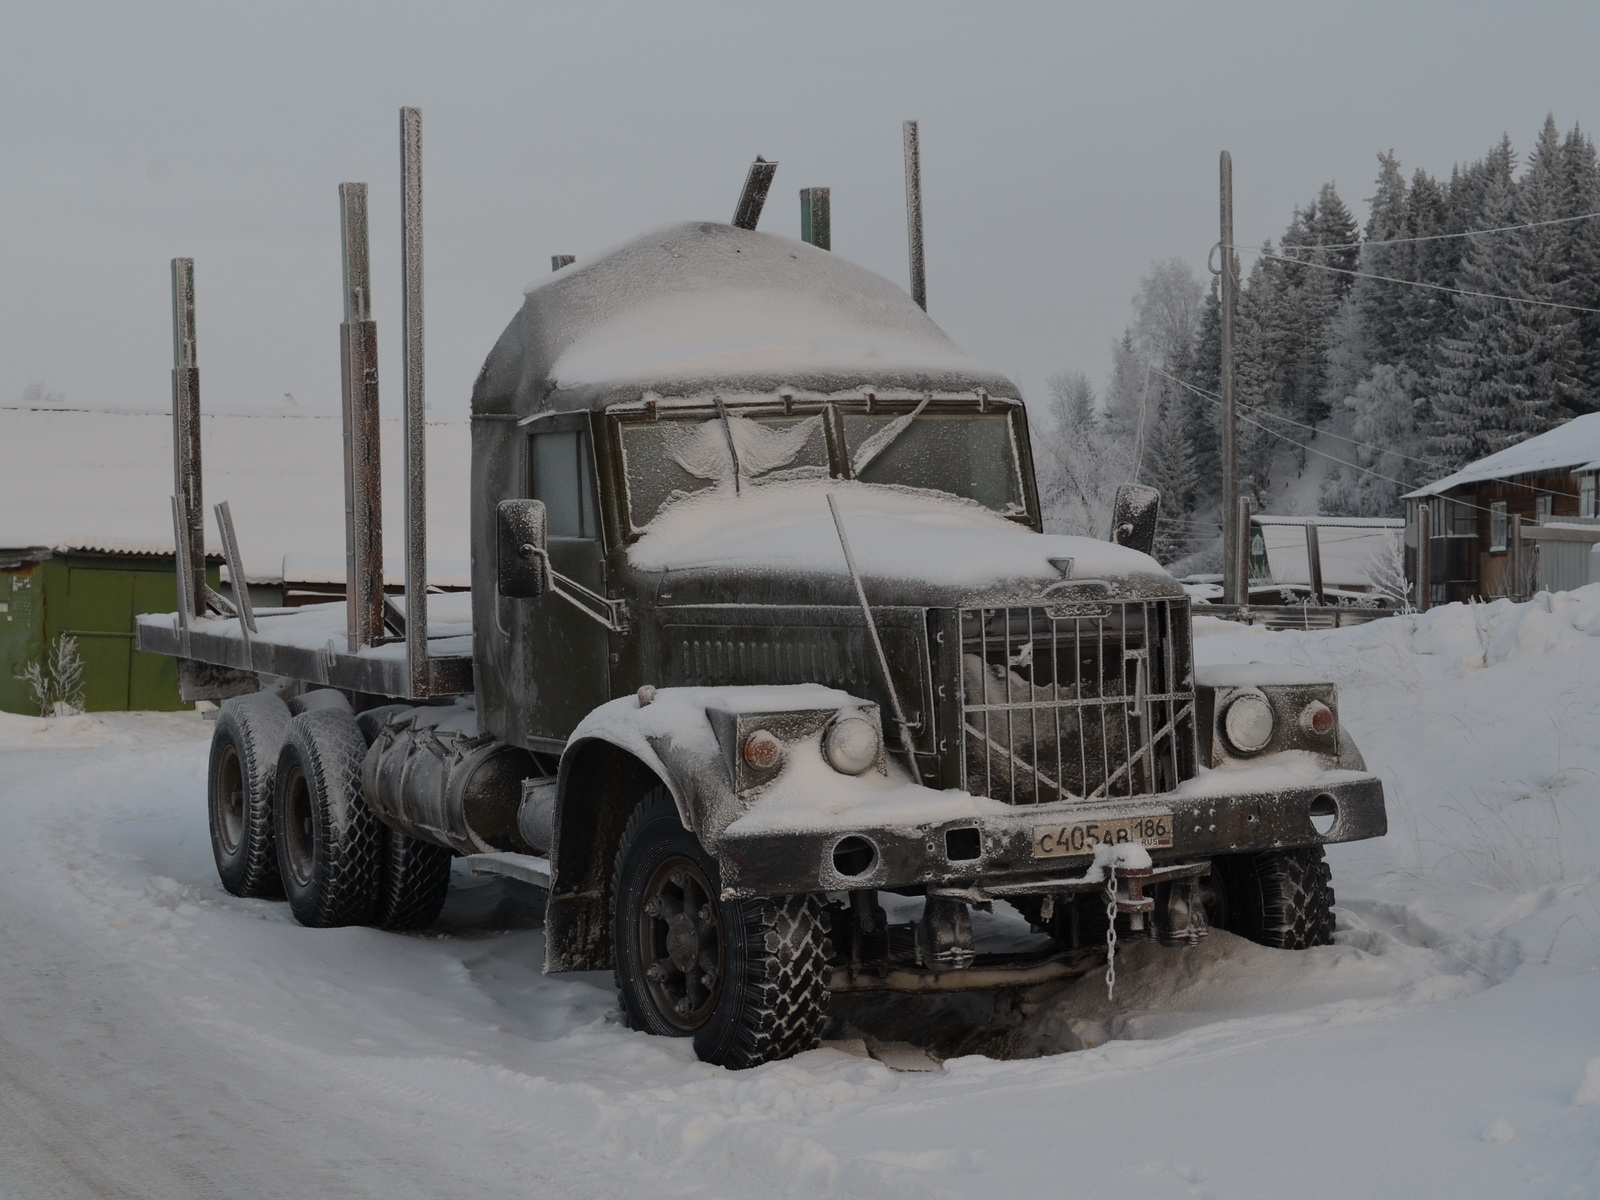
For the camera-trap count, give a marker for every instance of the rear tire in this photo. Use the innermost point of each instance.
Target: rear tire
(414, 878)
(1279, 898)
(240, 782)
(328, 839)
(747, 979)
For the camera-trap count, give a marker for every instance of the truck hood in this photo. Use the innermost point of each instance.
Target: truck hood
(911, 547)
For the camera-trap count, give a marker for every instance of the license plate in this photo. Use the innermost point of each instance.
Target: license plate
(1081, 837)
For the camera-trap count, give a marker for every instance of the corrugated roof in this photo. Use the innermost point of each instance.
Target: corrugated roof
(1574, 446)
(101, 481)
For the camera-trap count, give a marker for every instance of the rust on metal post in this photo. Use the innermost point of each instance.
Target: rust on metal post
(816, 217)
(416, 506)
(919, 278)
(1313, 561)
(186, 437)
(363, 489)
(753, 197)
(1424, 556)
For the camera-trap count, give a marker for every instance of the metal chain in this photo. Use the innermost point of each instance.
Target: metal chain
(1111, 931)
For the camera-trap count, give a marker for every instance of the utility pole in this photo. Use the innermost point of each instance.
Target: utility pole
(1234, 585)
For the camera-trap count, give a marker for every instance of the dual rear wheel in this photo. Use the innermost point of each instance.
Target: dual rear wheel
(288, 819)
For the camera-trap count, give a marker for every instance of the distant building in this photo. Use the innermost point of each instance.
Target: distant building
(1548, 482)
(1350, 550)
(86, 529)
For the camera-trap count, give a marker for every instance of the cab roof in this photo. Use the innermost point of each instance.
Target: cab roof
(699, 308)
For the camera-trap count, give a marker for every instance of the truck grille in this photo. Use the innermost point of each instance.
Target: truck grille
(1077, 701)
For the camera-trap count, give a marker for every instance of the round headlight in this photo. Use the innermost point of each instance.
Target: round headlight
(851, 745)
(1248, 722)
(763, 751)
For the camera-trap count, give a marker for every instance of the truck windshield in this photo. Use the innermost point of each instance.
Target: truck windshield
(965, 454)
(668, 460)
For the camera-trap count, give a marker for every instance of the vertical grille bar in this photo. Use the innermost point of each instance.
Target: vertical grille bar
(1112, 677)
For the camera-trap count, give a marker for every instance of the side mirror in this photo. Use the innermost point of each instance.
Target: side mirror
(521, 537)
(1133, 517)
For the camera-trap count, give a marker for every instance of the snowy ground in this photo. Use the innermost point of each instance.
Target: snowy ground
(159, 1038)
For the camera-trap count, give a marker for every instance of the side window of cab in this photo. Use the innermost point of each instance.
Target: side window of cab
(561, 475)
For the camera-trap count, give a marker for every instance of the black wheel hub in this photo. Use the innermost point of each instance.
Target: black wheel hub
(299, 837)
(229, 785)
(680, 943)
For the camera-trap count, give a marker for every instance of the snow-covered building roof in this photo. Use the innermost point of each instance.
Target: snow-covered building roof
(699, 307)
(101, 481)
(1574, 446)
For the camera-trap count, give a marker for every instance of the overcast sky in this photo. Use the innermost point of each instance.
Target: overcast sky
(1065, 147)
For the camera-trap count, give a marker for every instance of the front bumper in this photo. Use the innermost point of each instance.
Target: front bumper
(910, 856)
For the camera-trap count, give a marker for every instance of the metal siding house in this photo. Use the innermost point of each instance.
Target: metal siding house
(1548, 482)
(86, 530)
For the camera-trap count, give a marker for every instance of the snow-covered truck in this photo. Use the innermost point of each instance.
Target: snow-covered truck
(763, 628)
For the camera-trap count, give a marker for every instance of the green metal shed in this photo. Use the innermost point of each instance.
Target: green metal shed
(92, 597)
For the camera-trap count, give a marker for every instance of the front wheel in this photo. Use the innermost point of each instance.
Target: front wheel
(745, 978)
(1279, 898)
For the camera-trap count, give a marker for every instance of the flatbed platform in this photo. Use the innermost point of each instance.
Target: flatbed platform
(311, 644)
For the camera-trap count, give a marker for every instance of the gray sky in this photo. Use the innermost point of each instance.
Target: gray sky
(1065, 147)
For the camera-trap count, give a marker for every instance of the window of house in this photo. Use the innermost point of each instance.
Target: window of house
(563, 480)
(1497, 525)
(1586, 498)
(1542, 507)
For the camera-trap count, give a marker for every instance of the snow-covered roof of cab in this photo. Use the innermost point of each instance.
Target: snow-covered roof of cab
(700, 307)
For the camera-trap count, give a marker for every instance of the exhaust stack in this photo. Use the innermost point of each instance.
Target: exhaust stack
(919, 280)
(754, 196)
(816, 218)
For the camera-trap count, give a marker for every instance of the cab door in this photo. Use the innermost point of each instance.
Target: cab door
(564, 651)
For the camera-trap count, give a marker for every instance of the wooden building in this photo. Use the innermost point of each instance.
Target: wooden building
(1476, 548)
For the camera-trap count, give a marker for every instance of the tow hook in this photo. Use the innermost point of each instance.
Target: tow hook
(1131, 900)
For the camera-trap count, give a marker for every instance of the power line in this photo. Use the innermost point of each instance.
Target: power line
(1426, 462)
(1283, 437)
(1439, 237)
(1432, 287)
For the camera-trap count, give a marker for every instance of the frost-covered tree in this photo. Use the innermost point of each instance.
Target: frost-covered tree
(1171, 471)
(1382, 456)
(1080, 458)
(38, 393)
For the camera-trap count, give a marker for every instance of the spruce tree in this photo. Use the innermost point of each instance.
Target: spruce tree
(1582, 253)
(1497, 383)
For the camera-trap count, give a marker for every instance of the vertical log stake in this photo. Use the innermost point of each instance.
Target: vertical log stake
(363, 488)
(416, 507)
(186, 440)
(753, 197)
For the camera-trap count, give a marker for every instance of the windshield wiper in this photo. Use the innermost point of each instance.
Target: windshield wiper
(883, 439)
(727, 429)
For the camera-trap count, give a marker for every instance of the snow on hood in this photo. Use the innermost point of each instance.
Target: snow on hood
(895, 533)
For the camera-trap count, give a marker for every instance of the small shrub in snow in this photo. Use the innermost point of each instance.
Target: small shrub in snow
(56, 680)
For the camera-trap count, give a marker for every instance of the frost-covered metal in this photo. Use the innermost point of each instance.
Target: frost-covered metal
(1078, 701)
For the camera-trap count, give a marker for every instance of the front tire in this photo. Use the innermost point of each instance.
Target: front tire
(328, 839)
(1279, 898)
(240, 781)
(747, 979)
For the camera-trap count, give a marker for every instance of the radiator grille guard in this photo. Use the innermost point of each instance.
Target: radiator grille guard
(1077, 701)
